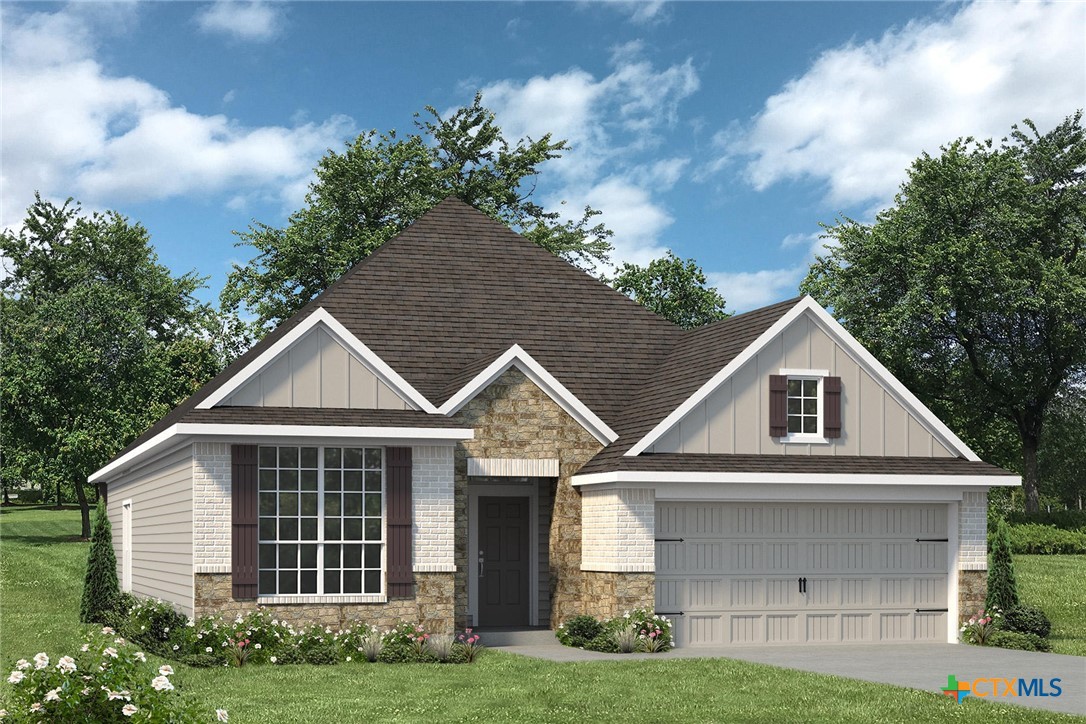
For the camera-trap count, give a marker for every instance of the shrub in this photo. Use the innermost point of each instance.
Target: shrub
(980, 628)
(1045, 539)
(469, 644)
(1065, 519)
(441, 648)
(1002, 588)
(1027, 619)
(579, 630)
(101, 593)
(626, 638)
(405, 644)
(107, 680)
(1018, 640)
(201, 661)
(156, 625)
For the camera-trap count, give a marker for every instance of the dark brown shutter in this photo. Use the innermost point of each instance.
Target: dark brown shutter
(778, 405)
(401, 581)
(243, 520)
(831, 403)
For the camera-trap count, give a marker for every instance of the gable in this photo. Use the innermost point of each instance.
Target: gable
(317, 371)
(880, 418)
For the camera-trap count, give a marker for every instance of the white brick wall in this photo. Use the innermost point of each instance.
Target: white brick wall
(618, 530)
(973, 532)
(211, 507)
(432, 502)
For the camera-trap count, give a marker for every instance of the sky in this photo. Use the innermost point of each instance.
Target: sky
(726, 132)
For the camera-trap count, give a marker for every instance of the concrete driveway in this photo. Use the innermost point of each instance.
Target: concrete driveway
(917, 666)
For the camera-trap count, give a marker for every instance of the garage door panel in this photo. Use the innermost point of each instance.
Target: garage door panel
(736, 574)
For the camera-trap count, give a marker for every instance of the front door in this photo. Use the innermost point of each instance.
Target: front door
(503, 562)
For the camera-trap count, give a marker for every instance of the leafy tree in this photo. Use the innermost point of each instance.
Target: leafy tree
(379, 184)
(100, 590)
(100, 340)
(972, 287)
(674, 288)
(1002, 587)
(1063, 449)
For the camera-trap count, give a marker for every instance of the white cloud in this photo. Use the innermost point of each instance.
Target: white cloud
(71, 128)
(861, 113)
(610, 122)
(252, 21)
(748, 290)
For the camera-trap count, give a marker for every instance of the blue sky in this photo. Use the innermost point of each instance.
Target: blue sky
(723, 131)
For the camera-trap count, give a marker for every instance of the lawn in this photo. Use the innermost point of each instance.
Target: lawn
(1057, 584)
(40, 578)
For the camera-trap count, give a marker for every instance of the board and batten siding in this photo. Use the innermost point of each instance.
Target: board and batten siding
(735, 417)
(317, 371)
(161, 495)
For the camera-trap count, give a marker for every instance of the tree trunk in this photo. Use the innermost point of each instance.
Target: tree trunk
(84, 510)
(1030, 475)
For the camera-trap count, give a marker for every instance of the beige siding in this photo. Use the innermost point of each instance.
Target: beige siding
(735, 417)
(317, 371)
(161, 495)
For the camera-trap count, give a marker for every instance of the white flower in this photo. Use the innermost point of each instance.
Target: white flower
(348, 658)
(85, 648)
(111, 652)
(273, 659)
(140, 655)
(3, 713)
(36, 707)
(257, 646)
(199, 635)
(166, 629)
(176, 647)
(191, 623)
(161, 683)
(129, 709)
(208, 649)
(165, 670)
(107, 631)
(16, 677)
(41, 660)
(221, 715)
(66, 664)
(53, 694)
(22, 664)
(85, 692)
(114, 695)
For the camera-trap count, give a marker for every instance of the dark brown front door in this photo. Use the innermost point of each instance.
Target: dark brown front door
(504, 568)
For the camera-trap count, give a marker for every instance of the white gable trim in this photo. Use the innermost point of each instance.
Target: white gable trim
(849, 343)
(515, 356)
(663, 476)
(279, 433)
(321, 316)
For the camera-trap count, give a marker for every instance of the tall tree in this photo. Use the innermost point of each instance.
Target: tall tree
(100, 340)
(972, 287)
(674, 288)
(379, 184)
(1063, 445)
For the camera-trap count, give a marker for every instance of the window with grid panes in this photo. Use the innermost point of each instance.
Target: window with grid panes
(321, 523)
(803, 406)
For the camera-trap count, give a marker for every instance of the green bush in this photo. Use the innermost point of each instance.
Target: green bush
(101, 594)
(1065, 519)
(1027, 619)
(156, 625)
(579, 631)
(1019, 641)
(653, 632)
(1002, 587)
(1044, 539)
(201, 661)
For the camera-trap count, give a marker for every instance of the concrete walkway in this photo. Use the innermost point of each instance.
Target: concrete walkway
(917, 666)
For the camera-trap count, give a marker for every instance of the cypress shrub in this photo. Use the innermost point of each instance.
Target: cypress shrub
(101, 593)
(1002, 588)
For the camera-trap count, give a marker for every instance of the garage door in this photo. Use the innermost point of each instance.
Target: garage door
(750, 573)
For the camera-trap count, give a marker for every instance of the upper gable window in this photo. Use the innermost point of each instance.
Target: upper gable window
(804, 406)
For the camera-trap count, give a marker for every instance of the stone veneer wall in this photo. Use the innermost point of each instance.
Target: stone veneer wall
(973, 532)
(608, 594)
(972, 590)
(514, 418)
(432, 606)
(619, 530)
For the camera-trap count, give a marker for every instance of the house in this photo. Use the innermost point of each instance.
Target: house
(465, 429)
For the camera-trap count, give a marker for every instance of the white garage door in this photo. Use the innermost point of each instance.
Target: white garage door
(753, 573)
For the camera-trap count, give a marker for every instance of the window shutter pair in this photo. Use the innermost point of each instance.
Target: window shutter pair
(244, 520)
(778, 406)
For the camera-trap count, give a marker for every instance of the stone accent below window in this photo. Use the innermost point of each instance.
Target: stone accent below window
(432, 605)
(972, 590)
(607, 595)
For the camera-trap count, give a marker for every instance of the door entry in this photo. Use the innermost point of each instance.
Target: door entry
(504, 567)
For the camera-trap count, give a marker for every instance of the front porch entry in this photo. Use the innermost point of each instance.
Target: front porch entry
(508, 550)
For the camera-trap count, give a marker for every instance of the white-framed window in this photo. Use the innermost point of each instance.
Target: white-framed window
(321, 524)
(804, 405)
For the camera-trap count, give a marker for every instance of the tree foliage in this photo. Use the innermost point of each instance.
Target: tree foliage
(674, 288)
(1002, 586)
(100, 590)
(100, 340)
(972, 287)
(1063, 449)
(379, 184)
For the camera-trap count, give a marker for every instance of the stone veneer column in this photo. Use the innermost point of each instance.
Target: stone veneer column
(619, 551)
(972, 553)
(514, 418)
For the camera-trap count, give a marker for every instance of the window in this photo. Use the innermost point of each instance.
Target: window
(321, 527)
(803, 407)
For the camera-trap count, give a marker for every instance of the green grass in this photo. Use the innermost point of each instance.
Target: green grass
(1057, 585)
(41, 574)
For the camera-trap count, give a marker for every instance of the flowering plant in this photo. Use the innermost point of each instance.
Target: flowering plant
(469, 643)
(238, 653)
(107, 680)
(980, 627)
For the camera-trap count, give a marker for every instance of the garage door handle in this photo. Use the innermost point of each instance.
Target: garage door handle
(932, 540)
(669, 613)
(933, 610)
(669, 540)
(803, 585)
